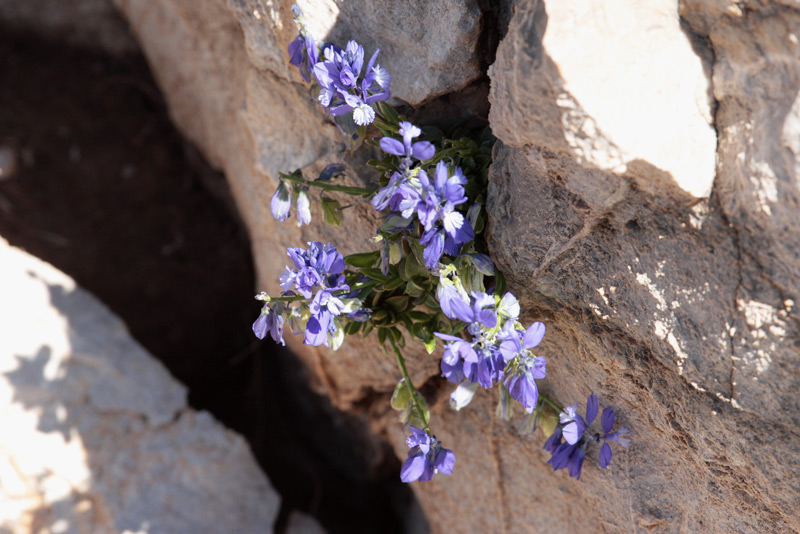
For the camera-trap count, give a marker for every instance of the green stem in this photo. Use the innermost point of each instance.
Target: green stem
(350, 190)
(553, 404)
(401, 362)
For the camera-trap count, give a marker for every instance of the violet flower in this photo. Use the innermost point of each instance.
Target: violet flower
(445, 228)
(523, 367)
(420, 150)
(426, 457)
(340, 90)
(574, 429)
(270, 320)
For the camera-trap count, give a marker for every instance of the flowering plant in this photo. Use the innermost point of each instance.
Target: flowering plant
(431, 278)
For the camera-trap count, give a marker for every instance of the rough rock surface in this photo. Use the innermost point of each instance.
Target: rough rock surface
(668, 282)
(96, 434)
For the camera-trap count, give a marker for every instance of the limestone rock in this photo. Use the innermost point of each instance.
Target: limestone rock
(677, 312)
(643, 203)
(97, 436)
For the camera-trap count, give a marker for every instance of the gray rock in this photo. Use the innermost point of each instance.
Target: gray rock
(643, 202)
(97, 436)
(431, 48)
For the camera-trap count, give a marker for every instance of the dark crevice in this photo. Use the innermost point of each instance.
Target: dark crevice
(469, 105)
(108, 192)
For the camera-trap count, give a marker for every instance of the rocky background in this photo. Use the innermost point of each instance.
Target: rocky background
(643, 202)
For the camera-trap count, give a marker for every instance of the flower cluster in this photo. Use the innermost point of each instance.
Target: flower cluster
(576, 435)
(411, 192)
(344, 89)
(498, 351)
(431, 278)
(319, 268)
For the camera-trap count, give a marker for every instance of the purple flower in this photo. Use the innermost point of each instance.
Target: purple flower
(425, 457)
(478, 312)
(340, 90)
(574, 429)
(270, 321)
(445, 228)
(303, 52)
(420, 150)
(607, 424)
(318, 266)
(519, 379)
(453, 358)
(397, 191)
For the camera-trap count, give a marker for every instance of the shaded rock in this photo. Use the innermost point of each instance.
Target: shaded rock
(252, 124)
(87, 23)
(97, 435)
(300, 523)
(668, 282)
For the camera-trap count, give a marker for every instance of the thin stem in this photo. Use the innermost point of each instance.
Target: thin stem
(401, 362)
(553, 404)
(350, 190)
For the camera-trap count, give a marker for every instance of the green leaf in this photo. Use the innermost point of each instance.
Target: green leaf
(330, 211)
(413, 268)
(431, 303)
(352, 328)
(375, 274)
(401, 398)
(419, 316)
(363, 259)
(413, 289)
(398, 303)
(394, 283)
(386, 128)
(367, 330)
(382, 333)
(397, 335)
(500, 283)
(387, 112)
(430, 345)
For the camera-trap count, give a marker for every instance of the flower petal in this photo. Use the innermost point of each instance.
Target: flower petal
(423, 150)
(591, 408)
(392, 146)
(533, 335)
(413, 468)
(607, 420)
(605, 455)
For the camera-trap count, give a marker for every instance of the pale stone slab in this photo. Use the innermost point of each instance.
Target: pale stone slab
(96, 435)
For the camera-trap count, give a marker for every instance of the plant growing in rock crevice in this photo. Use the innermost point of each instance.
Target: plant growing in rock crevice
(431, 277)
